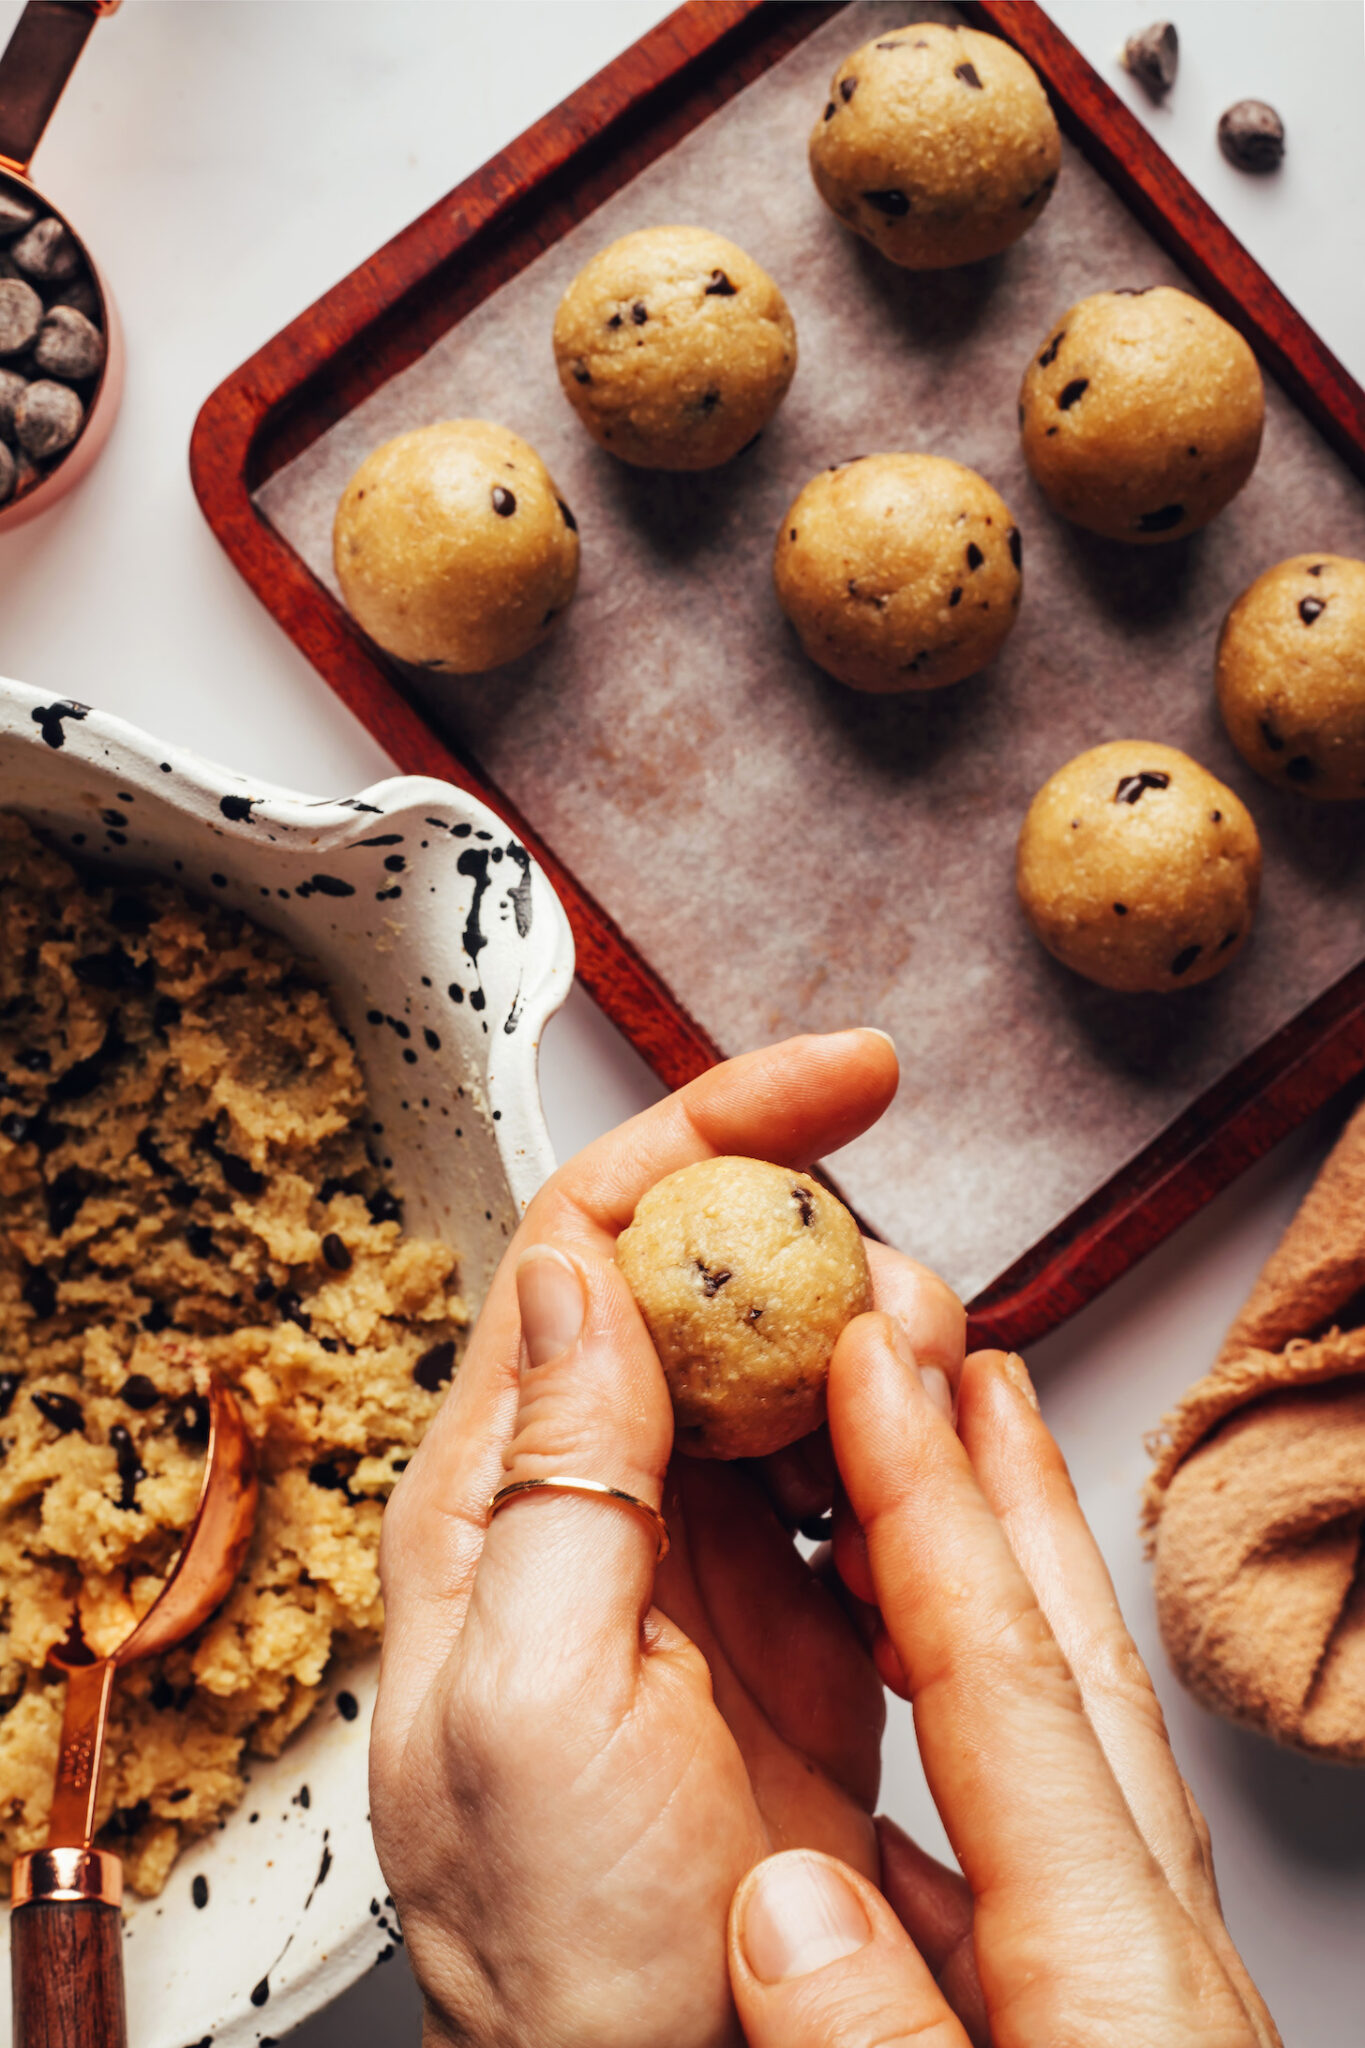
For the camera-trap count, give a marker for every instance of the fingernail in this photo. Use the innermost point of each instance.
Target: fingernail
(799, 1914)
(550, 1297)
(1017, 1373)
(932, 1378)
(877, 1032)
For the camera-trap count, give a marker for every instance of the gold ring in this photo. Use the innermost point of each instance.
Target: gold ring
(562, 1483)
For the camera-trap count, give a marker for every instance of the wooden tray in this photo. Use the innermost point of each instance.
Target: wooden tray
(391, 310)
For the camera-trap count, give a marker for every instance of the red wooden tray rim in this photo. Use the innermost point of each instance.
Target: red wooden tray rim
(392, 308)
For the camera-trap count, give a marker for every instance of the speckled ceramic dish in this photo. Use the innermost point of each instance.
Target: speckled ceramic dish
(446, 950)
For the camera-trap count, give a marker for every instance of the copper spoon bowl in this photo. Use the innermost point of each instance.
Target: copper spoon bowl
(65, 1927)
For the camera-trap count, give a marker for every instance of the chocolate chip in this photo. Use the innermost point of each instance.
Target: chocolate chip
(240, 1176)
(847, 88)
(1316, 569)
(347, 1706)
(1120, 910)
(615, 320)
(199, 1890)
(830, 111)
(40, 1292)
(65, 1199)
(68, 345)
(15, 1126)
(1271, 736)
(66, 1416)
(33, 1059)
(892, 203)
(192, 1421)
(1251, 136)
(21, 315)
(264, 1290)
(47, 252)
(969, 75)
(1299, 768)
(567, 516)
(10, 1383)
(1152, 57)
(955, 596)
(1016, 544)
(974, 555)
(1185, 959)
(290, 1305)
(1229, 940)
(1077, 388)
(708, 401)
(384, 1207)
(805, 1202)
(1216, 817)
(130, 1467)
(435, 1365)
(1311, 608)
(326, 1475)
(1162, 520)
(1049, 355)
(199, 1238)
(15, 215)
(138, 1392)
(1131, 787)
(336, 1253)
(639, 313)
(581, 373)
(504, 502)
(47, 418)
(720, 286)
(713, 1278)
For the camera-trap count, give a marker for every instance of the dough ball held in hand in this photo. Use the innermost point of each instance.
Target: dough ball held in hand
(674, 348)
(453, 547)
(745, 1274)
(899, 572)
(937, 145)
(1141, 414)
(1139, 869)
(1291, 676)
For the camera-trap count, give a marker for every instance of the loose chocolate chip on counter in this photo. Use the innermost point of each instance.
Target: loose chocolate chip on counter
(192, 1421)
(1132, 787)
(347, 1705)
(892, 203)
(1311, 608)
(1251, 136)
(336, 1253)
(47, 252)
(47, 418)
(1077, 388)
(1162, 520)
(568, 517)
(639, 313)
(15, 215)
(40, 1292)
(1185, 959)
(847, 88)
(969, 75)
(10, 1383)
(130, 1466)
(1016, 544)
(12, 389)
(68, 345)
(974, 555)
(435, 1365)
(1152, 57)
(504, 501)
(713, 1278)
(1299, 768)
(805, 1202)
(66, 1416)
(199, 1890)
(720, 286)
(139, 1392)
(21, 315)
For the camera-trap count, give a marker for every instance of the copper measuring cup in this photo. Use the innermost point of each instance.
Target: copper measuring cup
(66, 1931)
(34, 68)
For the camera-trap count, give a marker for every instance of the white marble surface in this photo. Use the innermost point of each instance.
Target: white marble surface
(228, 162)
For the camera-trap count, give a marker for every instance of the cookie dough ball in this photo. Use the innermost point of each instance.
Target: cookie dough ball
(674, 348)
(745, 1274)
(899, 572)
(453, 548)
(1141, 414)
(1138, 868)
(1291, 676)
(937, 145)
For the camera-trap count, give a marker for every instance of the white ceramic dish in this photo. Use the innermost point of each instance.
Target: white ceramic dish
(446, 950)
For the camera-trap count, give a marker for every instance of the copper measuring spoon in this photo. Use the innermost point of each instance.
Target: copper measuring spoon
(66, 1944)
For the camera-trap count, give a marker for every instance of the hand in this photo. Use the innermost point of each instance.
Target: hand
(1087, 1914)
(566, 1787)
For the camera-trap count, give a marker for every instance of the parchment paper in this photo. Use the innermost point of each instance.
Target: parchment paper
(793, 856)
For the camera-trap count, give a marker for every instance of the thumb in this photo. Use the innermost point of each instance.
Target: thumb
(819, 1960)
(557, 1566)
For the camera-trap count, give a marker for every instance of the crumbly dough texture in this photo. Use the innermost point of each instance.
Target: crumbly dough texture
(745, 1274)
(1138, 868)
(185, 1186)
(674, 348)
(1291, 676)
(937, 145)
(453, 547)
(899, 572)
(1141, 414)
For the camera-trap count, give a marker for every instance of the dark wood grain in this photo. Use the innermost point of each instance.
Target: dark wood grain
(66, 1968)
(387, 312)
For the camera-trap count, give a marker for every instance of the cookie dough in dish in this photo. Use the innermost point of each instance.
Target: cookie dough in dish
(1138, 868)
(899, 572)
(745, 1274)
(185, 1186)
(1141, 414)
(674, 348)
(453, 547)
(937, 145)
(1291, 676)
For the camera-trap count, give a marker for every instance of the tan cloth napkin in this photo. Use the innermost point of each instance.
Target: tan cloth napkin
(1256, 1504)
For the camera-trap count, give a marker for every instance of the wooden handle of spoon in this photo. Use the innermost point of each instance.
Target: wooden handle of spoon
(66, 1961)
